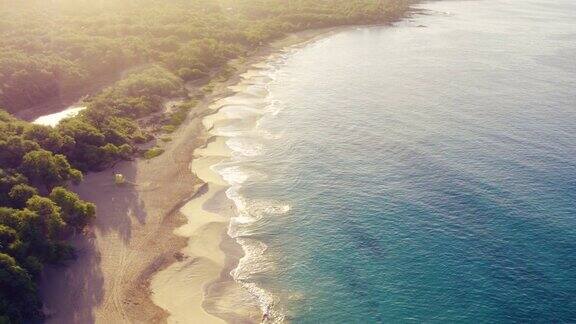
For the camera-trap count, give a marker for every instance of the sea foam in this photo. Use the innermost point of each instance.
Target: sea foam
(238, 122)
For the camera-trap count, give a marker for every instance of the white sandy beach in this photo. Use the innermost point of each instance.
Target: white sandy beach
(154, 254)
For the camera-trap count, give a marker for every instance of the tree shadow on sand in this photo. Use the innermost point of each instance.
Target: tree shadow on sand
(117, 205)
(71, 293)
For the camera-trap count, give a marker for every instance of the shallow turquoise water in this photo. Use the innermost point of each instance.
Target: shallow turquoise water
(421, 174)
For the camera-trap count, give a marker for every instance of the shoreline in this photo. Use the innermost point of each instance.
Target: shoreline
(200, 285)
(132, 238)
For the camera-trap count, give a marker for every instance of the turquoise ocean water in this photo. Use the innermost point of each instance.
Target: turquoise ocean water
(415, 174)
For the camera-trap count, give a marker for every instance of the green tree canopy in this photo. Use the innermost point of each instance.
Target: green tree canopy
(75, 211)
(18, 299)
(20, 193)
(48, 168)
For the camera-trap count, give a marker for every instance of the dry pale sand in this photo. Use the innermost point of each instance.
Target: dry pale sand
(179, 289)
(133, 238)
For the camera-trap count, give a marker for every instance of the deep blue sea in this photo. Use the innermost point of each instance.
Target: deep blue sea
(423, 172)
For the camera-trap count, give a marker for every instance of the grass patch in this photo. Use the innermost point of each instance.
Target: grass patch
(178, 116)
(168, 128)
(153, 152)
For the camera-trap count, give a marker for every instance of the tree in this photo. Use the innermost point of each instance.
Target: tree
(13, 148)
(75, 212)
(8, 179)
(10, 218)
(47, 168)
(7, 237)
(125, 151)
(18, 298)
(48, 138)
(20, 193)
(49, 214)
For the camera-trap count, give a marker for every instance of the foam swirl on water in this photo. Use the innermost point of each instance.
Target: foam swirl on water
(237, 175)
(245, 146)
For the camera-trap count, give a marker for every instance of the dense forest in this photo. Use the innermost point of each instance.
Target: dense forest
(51, 48)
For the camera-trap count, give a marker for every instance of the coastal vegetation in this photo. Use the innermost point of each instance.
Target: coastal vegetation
(50, 49)
(153, 152)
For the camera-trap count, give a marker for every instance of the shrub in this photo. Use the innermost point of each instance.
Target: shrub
(153, 152)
